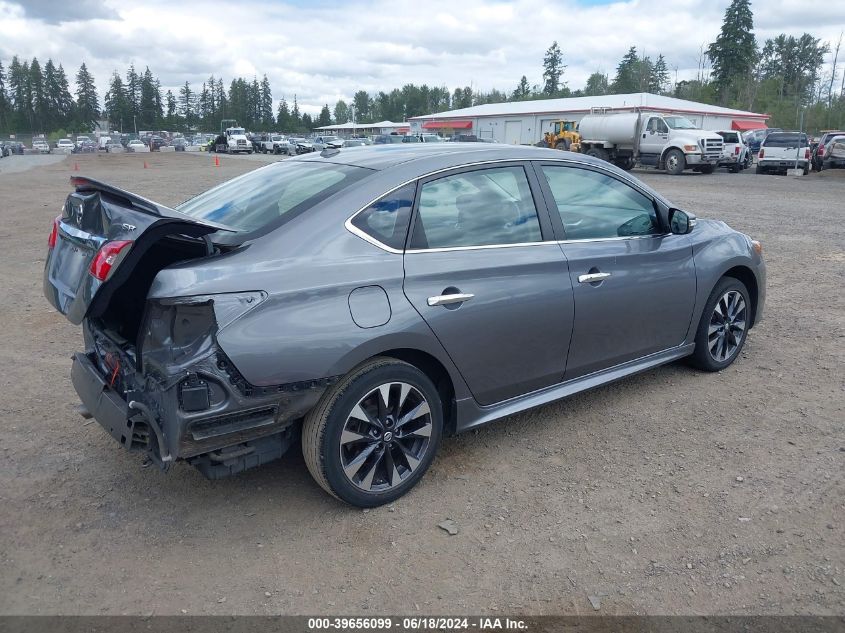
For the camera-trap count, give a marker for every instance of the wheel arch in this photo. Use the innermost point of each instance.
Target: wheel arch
(438, 374)
(749, 280)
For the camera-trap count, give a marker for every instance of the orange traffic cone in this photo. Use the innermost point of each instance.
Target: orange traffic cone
(217, 161)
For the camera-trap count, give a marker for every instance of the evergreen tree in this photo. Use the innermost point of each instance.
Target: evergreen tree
(734, 51)
(170, 104)
(133, 90)
(87, 100)
(627, 73)
(186, 103)
(266, 100)
(39, 98)
(116, 106)
(5, 109)
(149, 105)
(523, 90)
(295, 120)
(325, 117)
(659, 76)
(283, 117)
(553, 68)
(307, 124)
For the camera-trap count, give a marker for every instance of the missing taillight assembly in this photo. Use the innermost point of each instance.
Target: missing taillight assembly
(107, 258)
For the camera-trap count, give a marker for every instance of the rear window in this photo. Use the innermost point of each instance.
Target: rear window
(785, 140)
(269, 197)
(729, 137)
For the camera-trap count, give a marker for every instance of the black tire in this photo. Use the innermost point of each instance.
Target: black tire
(624, 163)
(675, 162)
(806, 169)
(325, 424)
(703, 358)
(707, 169)
(563, 144)
(759, 170)
(597, 152)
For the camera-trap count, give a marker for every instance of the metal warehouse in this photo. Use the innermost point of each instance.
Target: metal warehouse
(524, 122)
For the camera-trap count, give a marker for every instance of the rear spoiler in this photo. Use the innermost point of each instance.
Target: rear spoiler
(83, 184)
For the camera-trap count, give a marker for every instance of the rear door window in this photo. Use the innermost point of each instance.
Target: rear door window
(484, 207)
(785, 140)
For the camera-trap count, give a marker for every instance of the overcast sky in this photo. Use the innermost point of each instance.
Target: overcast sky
(324, 50)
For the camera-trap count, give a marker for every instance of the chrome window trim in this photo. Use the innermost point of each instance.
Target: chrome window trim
(567, 161)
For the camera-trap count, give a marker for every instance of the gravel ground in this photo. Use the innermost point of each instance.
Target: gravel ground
(672, 492)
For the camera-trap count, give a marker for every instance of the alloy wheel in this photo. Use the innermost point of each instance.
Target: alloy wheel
(728, 325)
(385, 437)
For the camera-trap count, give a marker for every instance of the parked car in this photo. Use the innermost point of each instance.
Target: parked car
(430, 138)
(322, 142)
(15, 147)
(65, 145)
(41, 146)
(387, 139)
(755, 138)
(114, 146)
(80, 139)
(410, 138)
(735, 153)
(156, 142)
(103, 141)
(137, 146)
(354, 142)
(819, 149)
(374, 301)
(781, 151)
(86, 147)
(179, 144)
(833, 154)
(302, 145)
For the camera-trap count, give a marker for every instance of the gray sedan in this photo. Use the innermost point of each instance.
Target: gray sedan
(367, 302)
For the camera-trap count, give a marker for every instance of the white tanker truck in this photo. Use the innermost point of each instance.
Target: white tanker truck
(665, 141)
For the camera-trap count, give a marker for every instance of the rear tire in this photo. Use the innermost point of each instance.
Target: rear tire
(706, 169)
(597, 152)
(734, 169)
(759, 170)
(675, 162)
(370, 458)
(723, 327)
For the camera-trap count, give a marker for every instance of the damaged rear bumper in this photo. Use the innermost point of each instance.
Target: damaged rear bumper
(207, 415)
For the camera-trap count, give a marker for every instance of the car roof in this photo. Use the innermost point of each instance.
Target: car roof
(439, 155)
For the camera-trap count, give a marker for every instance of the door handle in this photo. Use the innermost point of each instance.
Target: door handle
(445, 300)
(592, 278)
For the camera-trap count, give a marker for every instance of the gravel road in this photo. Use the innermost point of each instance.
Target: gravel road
(672, 492)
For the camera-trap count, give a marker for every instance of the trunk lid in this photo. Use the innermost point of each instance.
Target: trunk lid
(98, 219)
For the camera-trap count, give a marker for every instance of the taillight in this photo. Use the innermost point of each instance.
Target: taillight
(54, 233)
(761, 154)
(736, 149)
(820, 150)
(107, 257)
(807, 153)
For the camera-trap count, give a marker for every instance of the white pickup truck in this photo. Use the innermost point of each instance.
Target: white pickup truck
(735, 154)
(781, 151)
(666, 141)
(277, 144)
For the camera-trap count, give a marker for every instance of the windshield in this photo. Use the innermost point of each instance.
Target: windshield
(729, 137)
(236, 130)
(271, 196)
(679, 123)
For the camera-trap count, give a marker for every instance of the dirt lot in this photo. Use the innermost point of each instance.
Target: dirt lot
(671, 492)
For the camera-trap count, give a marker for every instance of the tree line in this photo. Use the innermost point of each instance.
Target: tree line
(783, 77)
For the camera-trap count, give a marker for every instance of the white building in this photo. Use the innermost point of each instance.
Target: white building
(348, 129)
(524, 122)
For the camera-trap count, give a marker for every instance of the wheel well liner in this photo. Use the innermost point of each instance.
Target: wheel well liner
(438, 374)
(746, 276)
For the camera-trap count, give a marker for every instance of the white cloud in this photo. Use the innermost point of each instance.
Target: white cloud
(322, 51)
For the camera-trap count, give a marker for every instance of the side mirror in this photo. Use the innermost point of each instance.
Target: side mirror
(681, 222)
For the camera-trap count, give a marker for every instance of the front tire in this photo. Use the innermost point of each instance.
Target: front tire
(562, 144)
(675, 162)
(723, 327)
(596, 152)
(372, 436)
